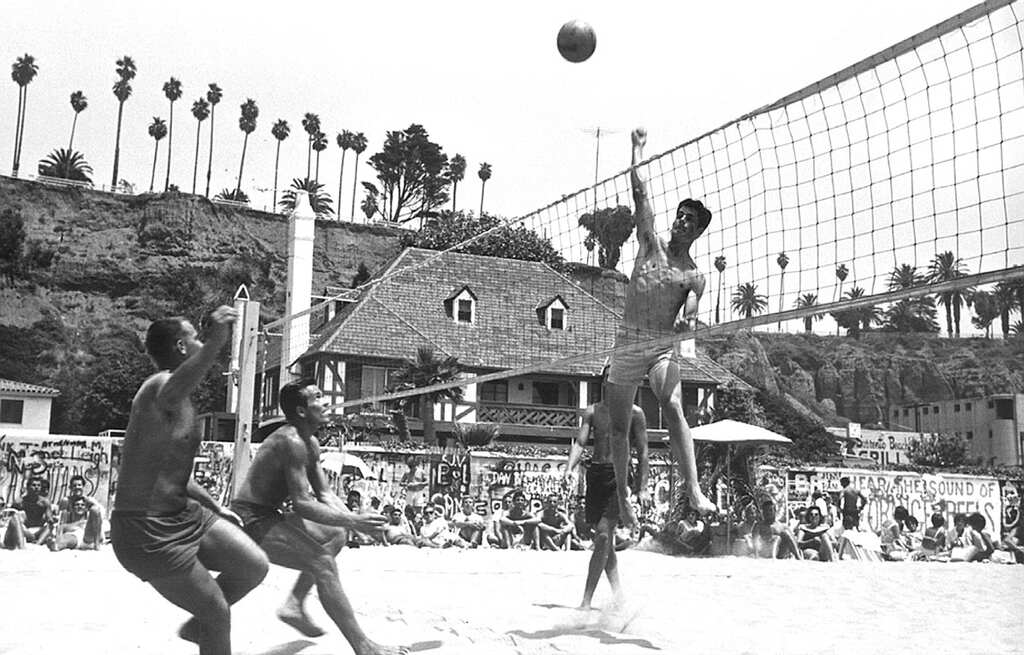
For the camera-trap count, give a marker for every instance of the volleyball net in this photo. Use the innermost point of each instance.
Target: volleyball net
(898, 177)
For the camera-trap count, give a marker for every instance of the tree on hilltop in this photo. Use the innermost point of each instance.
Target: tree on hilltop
(319, 199)
(213, 96)
(607, 228)
(172, 91)
(344, 140)
(200, 111)
(23, 71)
(456, 173)
(78, 104)
(246, 123)
(945, 267)
(358, 145)
(122, 91)
(67, 165)
(157, 130)
(281, 130)
(413, 175)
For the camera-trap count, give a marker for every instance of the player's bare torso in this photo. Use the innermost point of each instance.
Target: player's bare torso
(659, 286)
(266, 483)
(158, 452)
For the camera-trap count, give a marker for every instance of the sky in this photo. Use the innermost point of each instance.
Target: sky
(484, 79)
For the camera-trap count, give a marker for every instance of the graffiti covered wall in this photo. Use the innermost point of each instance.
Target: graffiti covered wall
(55, 458)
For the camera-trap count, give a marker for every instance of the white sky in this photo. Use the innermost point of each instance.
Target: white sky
(484, 78)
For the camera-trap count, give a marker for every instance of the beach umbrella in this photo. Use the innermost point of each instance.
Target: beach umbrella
(732, 434)
(342, 463)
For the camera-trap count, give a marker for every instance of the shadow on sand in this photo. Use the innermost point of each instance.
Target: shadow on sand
(602, 636)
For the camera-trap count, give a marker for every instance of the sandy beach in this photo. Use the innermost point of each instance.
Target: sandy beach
(498, 602)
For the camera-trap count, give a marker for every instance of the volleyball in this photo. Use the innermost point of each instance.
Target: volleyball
(576, 41)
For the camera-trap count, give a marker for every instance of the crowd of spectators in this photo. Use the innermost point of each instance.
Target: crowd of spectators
(75, 522)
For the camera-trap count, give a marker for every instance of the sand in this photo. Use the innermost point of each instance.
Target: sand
(498, 602)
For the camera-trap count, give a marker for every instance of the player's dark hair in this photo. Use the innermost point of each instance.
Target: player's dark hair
(518, 493)
(162, 340)
(76, 476)
(290, 398)
(938, 520)
(976, 521)
(843, 481)
(702, 213)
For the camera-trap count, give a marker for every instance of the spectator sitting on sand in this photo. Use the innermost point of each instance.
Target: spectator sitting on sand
(556, 531)
(772, 538)
(30, 519)
(70, 533)
(93, 535)
(692, 534)
(1014, 542)
(469, 523)
(813, 538)
(495, 536)
(519, 526)
(437, 531)
(894, 545)
(934, 540)
(976, 540)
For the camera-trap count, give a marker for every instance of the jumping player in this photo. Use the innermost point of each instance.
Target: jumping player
(165, 528)
(602, 506)
(308, 537)
(661, 298)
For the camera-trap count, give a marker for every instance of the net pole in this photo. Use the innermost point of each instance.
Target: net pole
(248, 328)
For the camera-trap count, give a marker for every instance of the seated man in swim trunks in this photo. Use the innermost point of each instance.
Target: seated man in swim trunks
(71, 531)
(661, 300)
(602, 506)
(93, 535)
(773, 537)
(309, 536)
(556, 530)
(30, 519)
(165, 528)
(518, 526)
(813, 537)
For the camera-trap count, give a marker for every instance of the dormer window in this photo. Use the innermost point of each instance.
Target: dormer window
(553, 314)
(461, 306)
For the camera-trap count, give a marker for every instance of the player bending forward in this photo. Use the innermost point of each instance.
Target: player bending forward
(165, 528)
(602, 508)
(309, 537)
(661, 298)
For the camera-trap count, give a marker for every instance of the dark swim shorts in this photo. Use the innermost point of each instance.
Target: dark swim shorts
(157, 545)
(601, 498)
(257, 520)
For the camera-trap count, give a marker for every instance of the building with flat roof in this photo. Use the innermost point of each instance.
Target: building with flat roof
(25, 408)
(991, 425)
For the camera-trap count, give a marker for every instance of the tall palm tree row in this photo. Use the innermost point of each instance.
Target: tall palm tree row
(747, 301)
(311, 124)
(358, 145)
(319, 145)
(122, 91)
(157, 130)
(720, 267)
(78, 104)
(246, 123)
(345, 143)
(943, 268)
(484, 174)
(200, 111)
(23, 71)
(213, 95)
(456, 172)
(280, 130)
(172, 91)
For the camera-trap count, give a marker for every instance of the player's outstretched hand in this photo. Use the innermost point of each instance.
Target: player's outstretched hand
(639, 137)
(367, 523)
(220, 322)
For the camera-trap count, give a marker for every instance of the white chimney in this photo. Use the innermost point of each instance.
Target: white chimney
(295, 332)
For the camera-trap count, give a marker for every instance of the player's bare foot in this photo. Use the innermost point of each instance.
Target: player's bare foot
(372, 648)
(189, 631)
(298, 619)
(700, 502)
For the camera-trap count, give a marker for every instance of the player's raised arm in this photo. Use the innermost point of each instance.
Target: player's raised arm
(187, 376)
(644, 216)
(580, 442)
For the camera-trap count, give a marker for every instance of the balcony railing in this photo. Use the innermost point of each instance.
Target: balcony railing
(543, 415)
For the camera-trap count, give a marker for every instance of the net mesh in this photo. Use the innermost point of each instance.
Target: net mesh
(818, 200)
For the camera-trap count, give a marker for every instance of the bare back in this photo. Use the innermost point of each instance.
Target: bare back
(601, 430)
(158, 451)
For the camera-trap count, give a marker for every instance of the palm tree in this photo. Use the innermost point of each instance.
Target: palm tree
(857, 318)
(122, 91)
(1006, 301)
(319, 145)
(783, 261)
(213, 96)
(841, 273)
(905, 276)
(172, 91)
(943, 268)
(319, 199)
(344, 142)
(747, 301)
(720, 267)
(23, 71)
(987, 310)
(157, 130)
(311, 124)
(78, 103)
(66, 164)
(281, 130)
(201, 111)
(485, 174)
(456, 172)
(358, 145)
(246, 123)
(428, 369)
(236, 195)
(807, 301)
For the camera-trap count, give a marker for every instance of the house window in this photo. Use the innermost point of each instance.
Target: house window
(545, 393)
(967, 407)
(11, 411)
(495, 392)
(465, 311)
(906, 411)
(935, 409)
(956, 407)
(990, 434)
(556, 319)
(925, 411)
(991, 404)
(970, 435)
(594, 392)
(895, 413)
(1004, 408)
